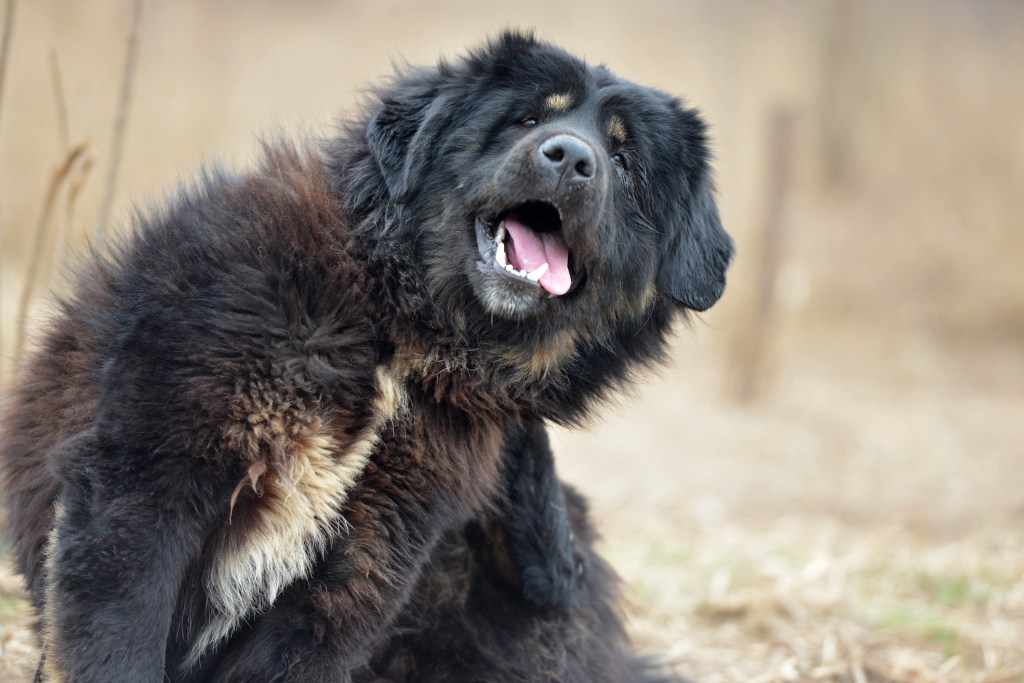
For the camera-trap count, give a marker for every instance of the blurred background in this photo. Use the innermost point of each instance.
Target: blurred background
(827, 484)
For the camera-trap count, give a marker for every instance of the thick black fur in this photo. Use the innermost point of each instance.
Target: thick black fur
(536, 524)
(245, 433)
(519, 595)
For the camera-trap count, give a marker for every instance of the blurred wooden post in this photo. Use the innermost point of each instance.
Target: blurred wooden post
(753, 345)
(834, 102)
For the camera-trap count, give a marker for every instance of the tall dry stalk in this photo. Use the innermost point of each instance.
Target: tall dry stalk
(4, 47)
(37, 257)
(77, 177)
(122, 118)
(6, 44)
(50, 235)
(63, 129)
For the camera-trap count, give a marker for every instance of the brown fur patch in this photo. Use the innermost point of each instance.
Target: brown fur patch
(627, 307)
(617, 130)
(538, 361)
(558, 102)
(409, 363)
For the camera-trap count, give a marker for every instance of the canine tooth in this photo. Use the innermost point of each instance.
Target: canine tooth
(500, 255)
(499, 234)
(538, 273)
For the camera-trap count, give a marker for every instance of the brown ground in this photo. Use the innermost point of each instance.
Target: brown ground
(860, 519)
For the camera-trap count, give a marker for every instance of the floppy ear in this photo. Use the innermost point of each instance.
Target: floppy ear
(692, 269)
(402, 133)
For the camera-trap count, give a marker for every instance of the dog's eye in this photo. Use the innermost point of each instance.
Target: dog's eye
(529, 122)
(621, 161)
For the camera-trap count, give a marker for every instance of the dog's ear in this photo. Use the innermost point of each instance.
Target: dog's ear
(403, 131)
(692, 270)
(698, 250)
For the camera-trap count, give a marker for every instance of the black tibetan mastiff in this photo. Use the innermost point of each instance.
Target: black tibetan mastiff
(292, 428)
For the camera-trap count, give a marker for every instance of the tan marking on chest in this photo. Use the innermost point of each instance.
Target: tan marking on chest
(626, 306)
(296, 519)
(548, 355)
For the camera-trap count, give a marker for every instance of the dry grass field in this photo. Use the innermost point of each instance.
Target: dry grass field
(827, 484)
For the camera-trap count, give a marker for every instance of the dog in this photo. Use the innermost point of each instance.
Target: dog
(245, 432)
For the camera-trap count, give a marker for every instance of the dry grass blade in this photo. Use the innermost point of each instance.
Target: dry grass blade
(80, 173)
(43, 238)
(63, 130)
(4, 47)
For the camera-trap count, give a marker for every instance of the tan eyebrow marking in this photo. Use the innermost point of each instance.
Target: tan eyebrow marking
(558, 102)
(617, 130)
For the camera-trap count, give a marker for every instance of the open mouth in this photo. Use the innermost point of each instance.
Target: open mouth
(525, 245)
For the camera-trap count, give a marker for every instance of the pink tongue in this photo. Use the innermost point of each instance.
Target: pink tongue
(530, 250)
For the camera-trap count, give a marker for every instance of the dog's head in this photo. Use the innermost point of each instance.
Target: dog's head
(549, 195)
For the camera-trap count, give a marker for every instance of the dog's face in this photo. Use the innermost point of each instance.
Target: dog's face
(548, 200)
(552, 184)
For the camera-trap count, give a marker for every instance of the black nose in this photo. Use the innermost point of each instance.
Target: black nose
(571, 158)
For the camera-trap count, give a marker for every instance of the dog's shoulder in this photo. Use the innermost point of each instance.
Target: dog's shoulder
(235, 304)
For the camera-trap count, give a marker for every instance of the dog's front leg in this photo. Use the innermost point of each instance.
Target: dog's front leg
(123, 538)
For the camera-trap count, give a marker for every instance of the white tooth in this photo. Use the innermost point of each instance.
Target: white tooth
(509, 268)
(499, 235)
(500, 256)
(539, 273)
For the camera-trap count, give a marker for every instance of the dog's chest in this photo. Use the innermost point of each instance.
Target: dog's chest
(440, 449)
(417, 452)
(305, 464)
